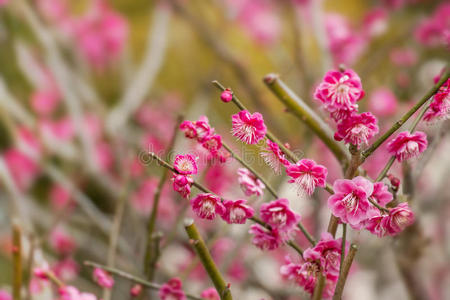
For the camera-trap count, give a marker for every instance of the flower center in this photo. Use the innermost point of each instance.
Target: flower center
(237, 214)
(351, 202)
(306, 183)
(359, 134)
(278, 216)
(208, 208)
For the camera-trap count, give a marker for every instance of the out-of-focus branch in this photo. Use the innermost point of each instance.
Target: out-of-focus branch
(208, 263)
(132, 278)
(144, 78)
(17, 260)
(302, 111)
(63, 79)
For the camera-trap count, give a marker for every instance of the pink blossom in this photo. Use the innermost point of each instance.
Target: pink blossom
(136, 290)
(101, 34)
(189, 129)
(405, 57)
(383, 103)
(206, 206)
(399, 218)
(185, 164)
(182, 184)
(4, 295)
(226, 96)
(380, 194)
(72, 293)
(103, 278)
(435, 31)
(66, 269)
(357, 129)
(212, 143)
(22, 168)
(350, 202)
(61, 130)
(265, 239)
(375, 223)
(307, 175)
(62, 242)
(210, 294)
(258, 18)
(249, 183)
(44, 102)
(406, 145)
(202, 128)
(344, 42)
(330, 250)
(440, 106)
(375, 22)
(237, 212)
(339, 91)
(172, 290)
(60, 198)
(274, 157)
(249, 128)
(279, 215)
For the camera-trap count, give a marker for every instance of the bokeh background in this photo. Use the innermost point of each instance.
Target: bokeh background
(86, 87)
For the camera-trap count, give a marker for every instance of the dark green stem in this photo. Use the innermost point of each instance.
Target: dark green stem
(208, 263)
(345, 269)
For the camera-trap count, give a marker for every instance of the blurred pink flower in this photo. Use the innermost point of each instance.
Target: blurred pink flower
(440, 106)
(60, 198)
(383, 103)
(72, 293)
(62, 242)
(259, 19)
(435, 31)
(247, 127)
(4, 295)
(209, 294)
(307, 175)
(265, 239)
(172, 290)
(404, 57)
(357, 129)
(44, 102)
(101, 34)
(136, 290)
(249, 183)
(66, 269)
(237, 211)
(345, 44)
(61, 130)
(375, 22)
(23, 169)
(212, 143)
(207, 206)
(103, 278)
(350, 202)
(406, 145)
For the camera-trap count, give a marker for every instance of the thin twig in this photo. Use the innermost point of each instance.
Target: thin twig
(17, 260)
(203, 188)
(251, 169)
(208, 263)
(406, 116)
(131, 277)
(345, 269)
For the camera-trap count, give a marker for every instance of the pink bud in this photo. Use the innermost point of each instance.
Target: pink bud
(226, 96)
(136, 290)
